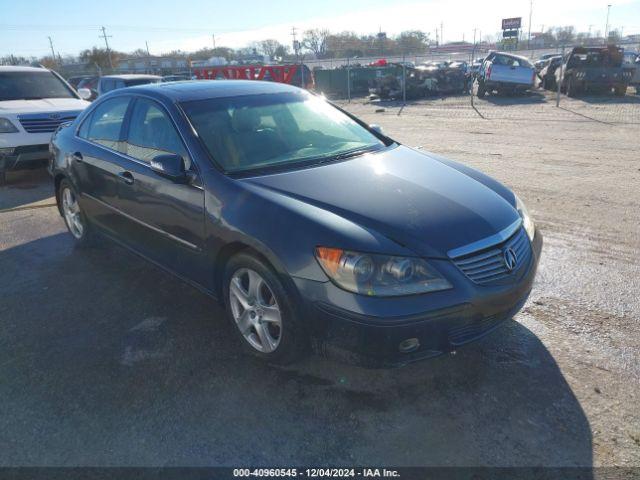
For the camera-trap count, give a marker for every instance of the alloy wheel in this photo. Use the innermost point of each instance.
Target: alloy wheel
(71, 212)
(255, 310)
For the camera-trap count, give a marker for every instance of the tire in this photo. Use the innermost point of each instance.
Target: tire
(620, 90)
(3, 178)
(570, 88)
(281, 339)
(482, 91)
(74, 218)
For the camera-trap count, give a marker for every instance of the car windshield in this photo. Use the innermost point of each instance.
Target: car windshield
(32, 86)
(256, 132)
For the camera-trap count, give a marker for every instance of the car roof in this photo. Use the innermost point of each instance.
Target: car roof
(132, 76)
(189, 90)
(11, 68)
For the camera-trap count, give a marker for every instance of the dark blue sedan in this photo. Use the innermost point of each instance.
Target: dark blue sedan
(311, 227)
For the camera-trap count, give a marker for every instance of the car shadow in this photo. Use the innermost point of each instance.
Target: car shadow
(106, 360)
(609, 99)
(526, 98)
(27, 189)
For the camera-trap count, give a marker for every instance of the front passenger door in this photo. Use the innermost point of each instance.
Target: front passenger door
(165, 217)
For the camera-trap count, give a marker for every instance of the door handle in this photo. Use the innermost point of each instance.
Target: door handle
(126, 177)
(77, 157)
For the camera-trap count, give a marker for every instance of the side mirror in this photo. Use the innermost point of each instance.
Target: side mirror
(85, 93)
(170, 166)
(376, 128)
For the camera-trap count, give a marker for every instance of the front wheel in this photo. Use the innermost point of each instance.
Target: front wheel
(263, 310)
(620, 90)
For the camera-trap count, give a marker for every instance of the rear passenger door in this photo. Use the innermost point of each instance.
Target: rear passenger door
(165, 218)
(95, 164)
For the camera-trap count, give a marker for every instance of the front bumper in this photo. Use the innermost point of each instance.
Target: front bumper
(24, 156)
(370, 331)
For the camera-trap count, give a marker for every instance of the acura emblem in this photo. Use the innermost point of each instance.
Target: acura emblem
(510, 259)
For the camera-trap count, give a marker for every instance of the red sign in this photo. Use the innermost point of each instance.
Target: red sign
(274, 73)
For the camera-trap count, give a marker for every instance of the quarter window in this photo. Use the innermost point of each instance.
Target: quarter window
(151, 133)
(105, 123)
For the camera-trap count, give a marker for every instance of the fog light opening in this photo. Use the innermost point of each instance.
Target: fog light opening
(409, 345)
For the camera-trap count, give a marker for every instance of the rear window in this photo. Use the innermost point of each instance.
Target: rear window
(33, 85)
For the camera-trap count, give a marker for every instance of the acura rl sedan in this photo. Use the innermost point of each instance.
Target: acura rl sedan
(312, 228)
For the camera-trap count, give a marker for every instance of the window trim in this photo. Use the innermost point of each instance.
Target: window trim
(89, 116)
(88, 113)
(127, 126)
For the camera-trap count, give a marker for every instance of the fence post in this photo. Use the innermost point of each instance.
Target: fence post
(348, 80)
(404, 81)
(561, 78)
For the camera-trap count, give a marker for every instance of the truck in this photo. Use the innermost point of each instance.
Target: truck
(505, 73)
(594, 70)
(34, 102)
(632, 62)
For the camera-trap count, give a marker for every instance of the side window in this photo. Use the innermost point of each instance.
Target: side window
(105, 123)
(152, 133)
(106, 85)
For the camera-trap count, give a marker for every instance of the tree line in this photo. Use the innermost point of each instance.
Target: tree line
(314, 43)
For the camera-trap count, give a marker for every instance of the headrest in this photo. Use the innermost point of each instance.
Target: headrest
(245, 120)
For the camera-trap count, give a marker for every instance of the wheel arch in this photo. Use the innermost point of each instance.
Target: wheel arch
(235, 247)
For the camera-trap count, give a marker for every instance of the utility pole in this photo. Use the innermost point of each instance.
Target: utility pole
(606, 25)
(106, 42)
(441, 32)
(53, 53)
(146, 44)
(295, 42)
(213, 39)
(530, 13)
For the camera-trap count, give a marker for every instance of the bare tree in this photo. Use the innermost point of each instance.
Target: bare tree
(269, 47)
(316, 41)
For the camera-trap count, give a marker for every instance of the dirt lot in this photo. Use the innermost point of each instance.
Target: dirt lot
(104, 360)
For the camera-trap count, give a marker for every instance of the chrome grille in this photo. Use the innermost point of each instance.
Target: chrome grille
(488, 266)
(45, 122)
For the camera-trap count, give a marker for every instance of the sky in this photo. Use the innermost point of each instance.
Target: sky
(166, 25)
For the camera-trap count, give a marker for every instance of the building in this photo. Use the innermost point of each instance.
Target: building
(153, 65)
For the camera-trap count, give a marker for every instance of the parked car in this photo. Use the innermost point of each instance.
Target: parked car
(304, 221)
(505, 73)
(33, 103)
(594, 70)
(113, 82)
(74, 81)
(543, 61)
(175, 78)
(547, 74)
(91, 84)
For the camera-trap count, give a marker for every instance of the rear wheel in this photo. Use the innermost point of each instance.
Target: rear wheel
(73, 216)
(262, 310)
(620, 90)
(482, 90)
(3, 178)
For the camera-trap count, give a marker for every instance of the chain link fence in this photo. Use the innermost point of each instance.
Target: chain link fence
(350, 80)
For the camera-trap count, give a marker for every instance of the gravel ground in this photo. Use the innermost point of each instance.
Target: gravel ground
(105, 360)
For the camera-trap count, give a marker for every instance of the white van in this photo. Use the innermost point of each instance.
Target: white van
(33, 103)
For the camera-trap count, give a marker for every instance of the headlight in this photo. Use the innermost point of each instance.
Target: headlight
(6, 126)
(379, 275)
(527, 221)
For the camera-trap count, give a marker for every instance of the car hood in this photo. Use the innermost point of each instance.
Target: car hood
(45, 105)
(403, 194)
